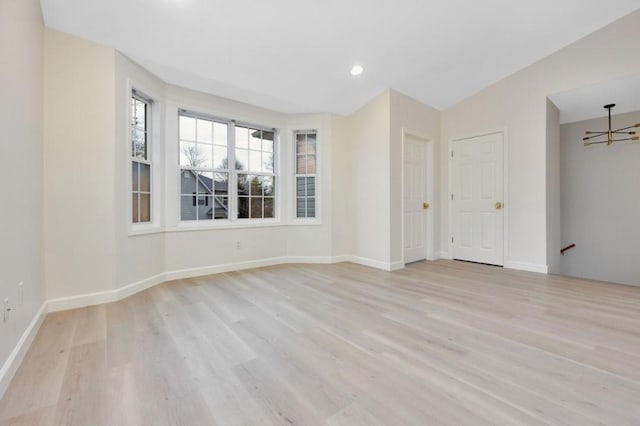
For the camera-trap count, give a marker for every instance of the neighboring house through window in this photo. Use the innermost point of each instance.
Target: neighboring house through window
(141, 164)
(306, 173)
(207, 148)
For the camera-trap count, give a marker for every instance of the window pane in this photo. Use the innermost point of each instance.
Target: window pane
(267, 162)
(134, 208)
(255, 161)
(205, 207)
(187, 182)
(311, 207)
(301, 186)
(139, 143)
(221, 207)
(301, 164)
(268, 207)
(267, 145)
(205, 131)
(311, 143)
(145, 208)
(301, 143)
(268, 186)
(188, 152)
(243, 184)
(301, 207)
(311, 186)
(203, 156)
(135, 177)
(205, 183)
(140, 109)
(311, 164)
(220, 160)
(243, 207)
(256, 207)
(242, 137)
(145, 177)
(256, 185)
(187, 209)
(220, 134)
(242, 159)
(221, 184)
(255, 139)
(187, 128)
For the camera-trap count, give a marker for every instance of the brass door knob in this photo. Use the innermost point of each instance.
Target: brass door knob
(498, 205)
(425, 205)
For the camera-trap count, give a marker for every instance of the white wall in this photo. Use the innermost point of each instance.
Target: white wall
(518, 103)
(553, 188)
(600, 203)
(137, 257)
(21, 48)
(90, 245)
(79, 110)
(409, 115)
(369, 183)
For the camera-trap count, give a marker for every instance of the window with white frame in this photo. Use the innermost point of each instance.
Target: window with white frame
(141, 164)
(306, 173)
(217, 154)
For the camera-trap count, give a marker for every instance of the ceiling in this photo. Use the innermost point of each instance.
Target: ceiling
(588, 102)
(294, 56)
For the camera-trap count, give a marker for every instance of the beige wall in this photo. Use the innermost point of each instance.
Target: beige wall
(553, 188)
(20, 171)
(518, 103)
(369, 183)
(600, 203)
(79, 178)
(411, 116)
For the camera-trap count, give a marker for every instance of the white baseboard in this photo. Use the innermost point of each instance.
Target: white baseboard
(378, 264)
(16, 356)
(443, 255)
(226, 267)
(529, 267)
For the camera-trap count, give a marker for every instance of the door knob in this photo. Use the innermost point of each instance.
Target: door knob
(425, 205)
(498, 205)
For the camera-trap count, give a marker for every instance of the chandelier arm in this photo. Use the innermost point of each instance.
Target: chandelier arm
(630, 127)
(623, 133)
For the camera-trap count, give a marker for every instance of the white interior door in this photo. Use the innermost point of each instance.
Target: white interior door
(477, 209)
(416, 206)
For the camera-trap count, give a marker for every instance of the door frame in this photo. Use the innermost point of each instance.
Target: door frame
(430, 173)
(505, 190)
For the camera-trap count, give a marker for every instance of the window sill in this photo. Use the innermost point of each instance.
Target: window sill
(145, 229)
(306, 222)
(224, 224)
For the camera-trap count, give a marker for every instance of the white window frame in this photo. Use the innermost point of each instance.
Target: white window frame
(152, 160)
(232, 221)
(294, 193)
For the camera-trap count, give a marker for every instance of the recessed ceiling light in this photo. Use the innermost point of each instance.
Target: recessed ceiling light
(356, 70)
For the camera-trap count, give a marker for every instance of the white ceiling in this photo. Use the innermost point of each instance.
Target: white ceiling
(295, 55)
(587, 102)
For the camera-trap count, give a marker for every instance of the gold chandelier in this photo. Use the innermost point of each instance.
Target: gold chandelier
(609, 134)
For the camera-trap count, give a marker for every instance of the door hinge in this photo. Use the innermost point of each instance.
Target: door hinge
(452, 239)
(451, 154)
(451, 197)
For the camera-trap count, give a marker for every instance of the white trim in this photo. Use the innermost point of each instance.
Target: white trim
(505, 192)
(529, 267)
(443, 255)
(226, 267)
(317, 259)
(16, 356)
(378, 264)
(430, 170)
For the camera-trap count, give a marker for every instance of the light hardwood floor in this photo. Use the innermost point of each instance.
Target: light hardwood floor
(437, 343)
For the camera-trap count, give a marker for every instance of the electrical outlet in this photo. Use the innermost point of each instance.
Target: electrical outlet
(238, 245)
(21, 293)
(6, 310)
